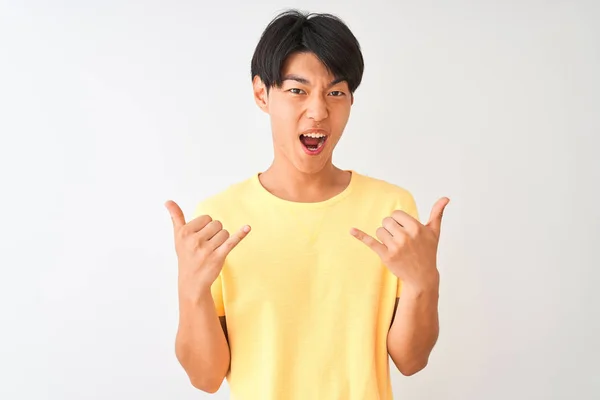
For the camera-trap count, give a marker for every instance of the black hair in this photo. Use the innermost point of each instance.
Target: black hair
(324, 35)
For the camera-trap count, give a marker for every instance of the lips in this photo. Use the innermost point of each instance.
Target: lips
(313, 140)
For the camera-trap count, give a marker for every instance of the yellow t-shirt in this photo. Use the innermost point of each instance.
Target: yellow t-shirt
(308, 306)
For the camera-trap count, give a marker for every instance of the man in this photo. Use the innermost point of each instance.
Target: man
(337, 273)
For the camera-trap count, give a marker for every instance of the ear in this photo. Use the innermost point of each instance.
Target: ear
(352, 99)
(260, 93)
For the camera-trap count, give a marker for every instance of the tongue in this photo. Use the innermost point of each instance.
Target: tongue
(313, 142)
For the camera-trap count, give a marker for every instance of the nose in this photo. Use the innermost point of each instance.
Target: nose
(317, 108)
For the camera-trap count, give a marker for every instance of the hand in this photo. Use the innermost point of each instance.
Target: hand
(202, 246)
(408, 248)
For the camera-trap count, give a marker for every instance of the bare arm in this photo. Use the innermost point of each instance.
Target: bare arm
(409, 250)
(201, 343)
(414, 330)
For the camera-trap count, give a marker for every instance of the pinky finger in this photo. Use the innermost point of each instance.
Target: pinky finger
(233, 241)
(370, 241)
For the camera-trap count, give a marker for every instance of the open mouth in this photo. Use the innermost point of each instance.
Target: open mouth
(313, 142)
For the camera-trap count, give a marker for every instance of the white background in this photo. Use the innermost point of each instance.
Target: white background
(109, 108)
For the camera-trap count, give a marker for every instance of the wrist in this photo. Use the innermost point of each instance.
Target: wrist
(194, 295)
(428, 286)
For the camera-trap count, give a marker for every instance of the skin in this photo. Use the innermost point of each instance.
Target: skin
(310, 97)
(307, 99)
(408, 249)
(201, 344)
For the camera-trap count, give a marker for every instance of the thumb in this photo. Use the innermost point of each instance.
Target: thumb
(177, 216)
(437, 212)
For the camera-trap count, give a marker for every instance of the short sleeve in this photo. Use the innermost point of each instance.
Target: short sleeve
(406, 203)
(217, 286)
(217, 294)
(399, 288)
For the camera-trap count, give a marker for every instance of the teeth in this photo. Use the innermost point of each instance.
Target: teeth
(314, 135)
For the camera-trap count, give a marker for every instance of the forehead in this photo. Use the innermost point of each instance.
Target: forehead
(308, 66)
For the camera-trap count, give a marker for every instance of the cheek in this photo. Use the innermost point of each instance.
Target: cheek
(284, 119)
(282, 105)
(287, 112)
(339, 119)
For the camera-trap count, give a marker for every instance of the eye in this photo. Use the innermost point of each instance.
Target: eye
(296, 91)
(337, 93)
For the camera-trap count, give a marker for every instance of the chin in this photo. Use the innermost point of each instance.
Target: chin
(311, 166)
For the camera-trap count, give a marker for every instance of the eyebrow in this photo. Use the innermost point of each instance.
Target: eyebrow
(305, 81)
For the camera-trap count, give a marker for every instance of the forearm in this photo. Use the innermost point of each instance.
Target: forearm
(201, 346)
(415, 329)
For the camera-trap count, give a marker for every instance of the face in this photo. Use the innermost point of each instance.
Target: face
(308, 112)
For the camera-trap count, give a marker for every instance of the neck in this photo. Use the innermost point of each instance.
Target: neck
(285, 181)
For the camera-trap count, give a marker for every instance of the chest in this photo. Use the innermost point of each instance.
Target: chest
(307, 262)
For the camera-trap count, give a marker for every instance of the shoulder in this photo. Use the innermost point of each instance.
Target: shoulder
(382, 187)
(396, 195)
(217, 203)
